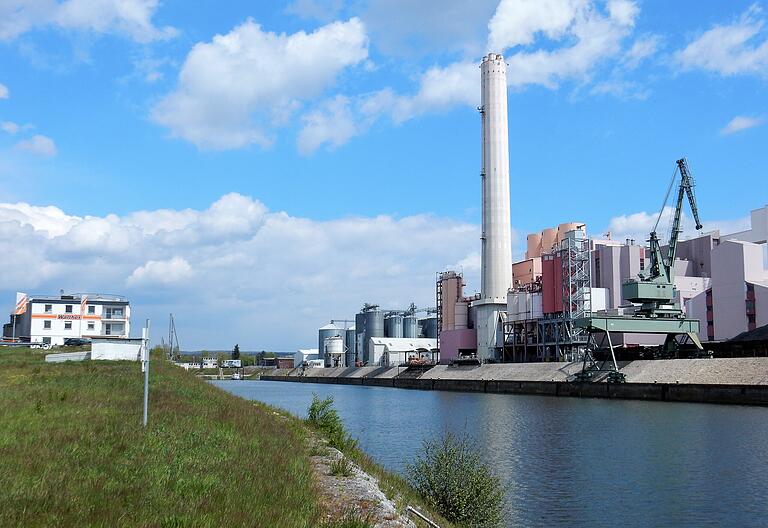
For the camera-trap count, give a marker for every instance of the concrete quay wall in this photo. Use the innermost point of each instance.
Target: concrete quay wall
(743, 381)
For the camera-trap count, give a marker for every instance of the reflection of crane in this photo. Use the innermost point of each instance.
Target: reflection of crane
(654, 291)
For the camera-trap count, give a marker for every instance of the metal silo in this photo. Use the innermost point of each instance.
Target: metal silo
(429, 327)
(359, 336)
(374, 327)
(393, 325)
(349, 344)
(410, 326)
(334, 351)
(329, 330)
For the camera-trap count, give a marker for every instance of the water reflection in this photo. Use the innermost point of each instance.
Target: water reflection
(566, 461)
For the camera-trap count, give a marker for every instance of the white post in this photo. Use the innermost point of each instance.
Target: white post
(145, 368)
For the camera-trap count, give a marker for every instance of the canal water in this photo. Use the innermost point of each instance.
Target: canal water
(569, 461)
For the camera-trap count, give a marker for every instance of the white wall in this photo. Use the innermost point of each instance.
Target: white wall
(116, 350)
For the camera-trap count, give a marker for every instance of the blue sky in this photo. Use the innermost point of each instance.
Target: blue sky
(274, 160)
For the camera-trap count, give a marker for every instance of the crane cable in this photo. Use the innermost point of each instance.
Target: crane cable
(666, 198)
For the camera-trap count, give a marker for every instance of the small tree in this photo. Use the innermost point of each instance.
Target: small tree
(236, 352)
(456, 481)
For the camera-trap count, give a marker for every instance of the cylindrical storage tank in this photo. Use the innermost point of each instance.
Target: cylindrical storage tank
(329, 330)
(534, 246)
(334, 351)
(562, 229)
(359, 335)
(429, 327)
(410, 326)
(374, 327)
(349, 345)
(548, 240)
(393, 325)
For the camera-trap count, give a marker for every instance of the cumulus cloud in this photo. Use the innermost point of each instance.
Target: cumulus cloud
(731, 49)
(332, 124)
(276, 276)
(233, 90)
(38, 144)
(4, 93)
(637, 226)
(132, 18)
(739, 123)
(161, 272)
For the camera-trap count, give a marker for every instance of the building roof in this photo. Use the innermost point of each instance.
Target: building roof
(405, 344)
(308, 351)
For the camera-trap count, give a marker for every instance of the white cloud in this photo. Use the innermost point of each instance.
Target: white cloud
(518, 22)
(9, 127)
(642, 48)
(161, 272)
(740, 123)
(47, 221)
(596, 37)
(333, 124)
(276, 277)
(4, 92)
(737, 48)
(233, 90)
(38, 144)
(637, 226)
(132, 18)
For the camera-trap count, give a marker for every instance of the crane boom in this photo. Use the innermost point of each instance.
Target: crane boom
(686, 187)
(655, 288)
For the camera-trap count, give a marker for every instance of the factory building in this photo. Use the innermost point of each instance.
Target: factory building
(49, 320)
(528, 310)
(378, 335)
(393, 352)
(736, 300)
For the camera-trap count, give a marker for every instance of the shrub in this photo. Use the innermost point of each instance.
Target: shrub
(454, 480)
(324, 417)
(341, 467)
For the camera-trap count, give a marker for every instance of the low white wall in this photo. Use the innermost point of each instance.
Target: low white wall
(116, 350)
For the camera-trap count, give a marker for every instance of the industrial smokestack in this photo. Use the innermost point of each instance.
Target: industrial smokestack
(496, 273)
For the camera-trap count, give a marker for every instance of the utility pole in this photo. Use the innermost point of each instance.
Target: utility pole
(145, 369)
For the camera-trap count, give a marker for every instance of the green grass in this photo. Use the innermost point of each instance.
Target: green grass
(73, 452)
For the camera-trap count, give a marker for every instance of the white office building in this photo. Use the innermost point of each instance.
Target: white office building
(49, 320)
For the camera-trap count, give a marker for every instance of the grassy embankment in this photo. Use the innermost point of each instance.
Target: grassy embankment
(73, 452)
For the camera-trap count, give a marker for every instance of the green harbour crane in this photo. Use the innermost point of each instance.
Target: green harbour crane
(653, 292)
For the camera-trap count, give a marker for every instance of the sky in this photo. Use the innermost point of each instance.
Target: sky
(258, 168)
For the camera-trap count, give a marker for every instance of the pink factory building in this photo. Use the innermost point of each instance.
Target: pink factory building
(720, 280)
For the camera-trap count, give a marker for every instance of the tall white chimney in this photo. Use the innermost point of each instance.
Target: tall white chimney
(496, 273)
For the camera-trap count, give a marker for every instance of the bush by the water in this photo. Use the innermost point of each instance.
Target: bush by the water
(324, 417)
(456, 481)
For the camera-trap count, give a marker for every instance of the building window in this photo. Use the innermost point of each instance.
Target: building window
(46, 340)
(91, 309)
(67, 325)
(48, 308)
(46, 325)
(68, 308)
(91, 326)
(107, 329)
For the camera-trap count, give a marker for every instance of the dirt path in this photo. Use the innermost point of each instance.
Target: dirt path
(357, 494)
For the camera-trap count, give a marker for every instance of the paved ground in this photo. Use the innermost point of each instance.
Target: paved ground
(731, 371)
